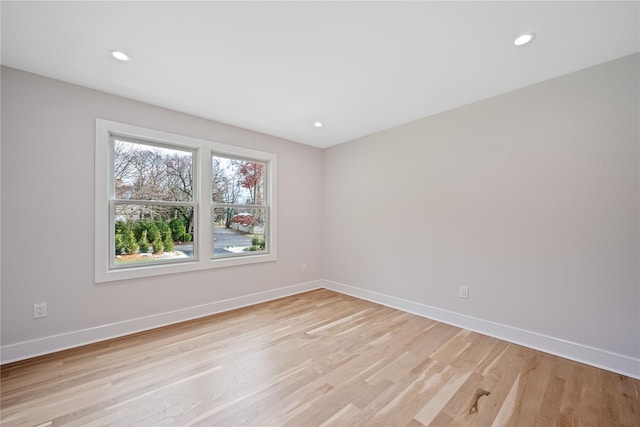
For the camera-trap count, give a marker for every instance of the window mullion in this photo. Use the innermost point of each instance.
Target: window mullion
(203, 198)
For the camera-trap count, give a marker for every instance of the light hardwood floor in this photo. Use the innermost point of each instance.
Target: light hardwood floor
(318, 358)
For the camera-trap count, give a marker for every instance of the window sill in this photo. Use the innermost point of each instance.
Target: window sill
(116, 274)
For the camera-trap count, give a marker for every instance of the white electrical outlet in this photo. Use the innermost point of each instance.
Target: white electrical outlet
(303, 267)
(39, 310)
(463, 292)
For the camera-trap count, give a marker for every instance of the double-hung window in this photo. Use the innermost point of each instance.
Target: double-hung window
(239, 209)
(168, 203)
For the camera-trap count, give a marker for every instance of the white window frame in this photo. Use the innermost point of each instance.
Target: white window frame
(203, 248)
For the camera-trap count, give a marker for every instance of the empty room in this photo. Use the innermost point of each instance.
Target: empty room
(340, 213)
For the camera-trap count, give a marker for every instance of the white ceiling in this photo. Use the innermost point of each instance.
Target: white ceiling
(277, 67)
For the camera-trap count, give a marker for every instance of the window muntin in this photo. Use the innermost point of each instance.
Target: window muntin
(116, 200)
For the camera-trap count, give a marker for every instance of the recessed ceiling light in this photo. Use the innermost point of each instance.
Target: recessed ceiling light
(318, 124)
(120, 56)
(524, 39)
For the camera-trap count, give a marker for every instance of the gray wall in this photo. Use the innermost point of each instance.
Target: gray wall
(530, 198)
(48, 139)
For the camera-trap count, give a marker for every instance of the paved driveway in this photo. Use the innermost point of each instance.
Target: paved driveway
(224, 238)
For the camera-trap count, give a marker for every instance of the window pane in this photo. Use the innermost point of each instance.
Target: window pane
(237, 181)
(148, 172)
(239, 231)
(152, 233)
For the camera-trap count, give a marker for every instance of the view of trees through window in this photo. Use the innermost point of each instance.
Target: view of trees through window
(154, 208)
(154, 204)
(238, 206)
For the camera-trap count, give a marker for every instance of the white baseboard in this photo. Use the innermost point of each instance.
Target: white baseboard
(574, 351)
(599, 358)
(37, 347)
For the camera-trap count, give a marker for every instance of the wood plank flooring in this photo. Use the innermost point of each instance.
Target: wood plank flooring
(314, 359)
